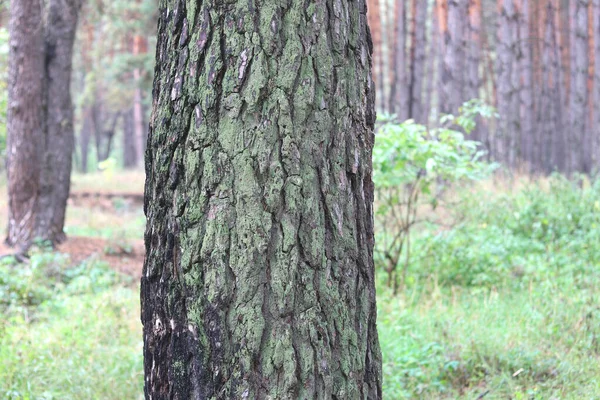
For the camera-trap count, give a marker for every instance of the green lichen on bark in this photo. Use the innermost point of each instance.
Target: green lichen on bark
(258, 281)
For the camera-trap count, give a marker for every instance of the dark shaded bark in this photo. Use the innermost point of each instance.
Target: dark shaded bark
(40, 126)
(25, 127)
(259, 279)
(60, 29)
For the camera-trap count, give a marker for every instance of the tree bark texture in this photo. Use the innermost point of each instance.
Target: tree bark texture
(578, 97)
(25, 125)
(40, 120)
(595, 128)
(60, 29)
(258, 281)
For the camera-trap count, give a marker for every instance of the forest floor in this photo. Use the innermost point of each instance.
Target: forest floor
(500, 306)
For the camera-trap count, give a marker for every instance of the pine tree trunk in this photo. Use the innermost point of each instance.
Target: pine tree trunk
(84, 138)
(259, 280)
(25, 126)
(595, 129)
(400, 87)
(526, 83)
(129, 140)
(454, 57)
(578, 96)
(60, 29)
(417, 64)
(508, 84)
(473, 79)
(374, 17)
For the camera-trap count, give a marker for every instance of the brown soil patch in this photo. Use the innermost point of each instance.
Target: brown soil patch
(127, 258)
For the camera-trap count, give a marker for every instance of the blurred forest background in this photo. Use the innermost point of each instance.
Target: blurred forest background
(487, 210)
(113, 63)
(534, 60)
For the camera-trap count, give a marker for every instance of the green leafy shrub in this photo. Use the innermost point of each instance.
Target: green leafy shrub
(412, 167)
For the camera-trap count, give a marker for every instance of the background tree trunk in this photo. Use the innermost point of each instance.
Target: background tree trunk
(60, 29)
(25, 125)
(400, 89)
(578, 97)
(417, 60)
(259, 278)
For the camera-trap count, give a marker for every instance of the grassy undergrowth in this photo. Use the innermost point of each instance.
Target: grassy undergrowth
(68, 333)
(501, 304)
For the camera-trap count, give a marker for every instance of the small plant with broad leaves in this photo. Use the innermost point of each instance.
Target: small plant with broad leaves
(413, 165)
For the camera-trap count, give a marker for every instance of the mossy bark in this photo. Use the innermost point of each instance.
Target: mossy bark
(259, 280)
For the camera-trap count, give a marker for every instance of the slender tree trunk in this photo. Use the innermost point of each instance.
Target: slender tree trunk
(85, 135)
(526, 84)
(400, 89)
(595, 129)
(417, 62)
(508, 83)
(374, 17)
(129, 147)
(139, 47)
(60, 29)
(25, 127)
(259, 280)
(579, 96)
(454, 58)
(473, 80)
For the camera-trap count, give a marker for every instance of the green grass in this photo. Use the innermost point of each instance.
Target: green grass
(502, 304)
(68, 333)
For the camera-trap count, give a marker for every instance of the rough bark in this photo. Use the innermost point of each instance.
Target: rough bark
(578, 97)
(417, 60)
(25, 126)
(259, 280)
(400, 88)
(60, 29)
(508, 84)
(454, 56)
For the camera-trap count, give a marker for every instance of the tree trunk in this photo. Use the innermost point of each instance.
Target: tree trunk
(417, 60)
(526, 84)
(374, 17)
(139, 47)
(259, 280)
(129, 146)
(400, 87)
(25, 120)
(578, 96)
(596, 94)
(508, 84)
(454, 47)
(60, 29)
(84, 138)
(473, 80)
